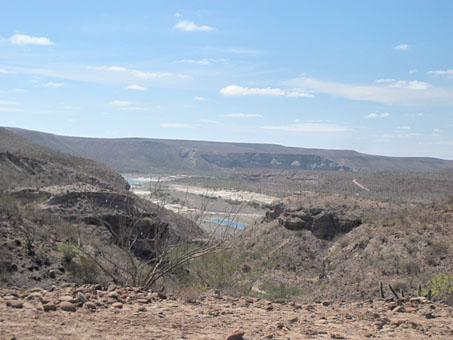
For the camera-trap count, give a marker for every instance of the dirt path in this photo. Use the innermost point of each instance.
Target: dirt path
(360, 185)
(128, 314)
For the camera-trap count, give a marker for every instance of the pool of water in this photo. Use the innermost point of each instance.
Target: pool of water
(228, 223)
(135, 181)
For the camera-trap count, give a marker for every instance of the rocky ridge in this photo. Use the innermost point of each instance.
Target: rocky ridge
(321, 246)
(50, 202)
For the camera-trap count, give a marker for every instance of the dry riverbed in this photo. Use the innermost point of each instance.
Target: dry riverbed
(207, 206)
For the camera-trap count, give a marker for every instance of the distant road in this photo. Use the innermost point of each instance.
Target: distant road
(360, 185)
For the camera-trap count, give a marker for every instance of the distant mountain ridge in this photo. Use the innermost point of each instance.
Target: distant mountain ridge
(24, 163)
(145, 154)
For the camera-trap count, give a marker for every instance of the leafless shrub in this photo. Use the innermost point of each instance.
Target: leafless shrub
(147, 250)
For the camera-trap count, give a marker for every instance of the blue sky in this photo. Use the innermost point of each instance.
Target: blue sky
(372, 76)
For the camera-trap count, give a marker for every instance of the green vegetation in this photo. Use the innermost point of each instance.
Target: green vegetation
(85, 269)
(219, 270)
(217, 181)
(442, 287)
(333, 252)
(233, 202)
(67, 252)
(282, 292)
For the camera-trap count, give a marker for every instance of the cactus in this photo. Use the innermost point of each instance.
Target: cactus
(419, 290)
(393, 291)
(381, 290)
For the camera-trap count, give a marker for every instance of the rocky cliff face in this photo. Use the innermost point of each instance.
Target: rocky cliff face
(323, 222)
(339, 247)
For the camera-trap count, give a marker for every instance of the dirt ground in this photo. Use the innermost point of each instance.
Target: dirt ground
(131, 314)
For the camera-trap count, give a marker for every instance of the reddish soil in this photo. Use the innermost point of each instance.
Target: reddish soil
(125, 313)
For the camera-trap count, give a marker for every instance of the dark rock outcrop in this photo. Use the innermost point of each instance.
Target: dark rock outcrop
(324, 222)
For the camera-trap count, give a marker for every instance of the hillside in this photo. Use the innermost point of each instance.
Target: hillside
(23, 163)
(325, 246)
(145, 155)
(65, 218)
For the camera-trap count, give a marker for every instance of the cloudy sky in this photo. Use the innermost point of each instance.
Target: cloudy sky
(373, 76)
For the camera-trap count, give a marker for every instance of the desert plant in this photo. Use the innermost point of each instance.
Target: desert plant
(85, 269)
(217, 270)
(147, 250)
(67, 252)
(282, 291)
(442, 287)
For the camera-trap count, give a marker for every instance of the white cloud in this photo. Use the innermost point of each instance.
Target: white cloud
(192, 61)
(414, 84)
(419, 114)
(176, 125)
(3, 71)
(200, 98)
(131, 108)
(378, 115)
(178, 14)
(300, 94)
(136, 88)
(7, 102)
(132, 72)
(402, 47)
(404, 127)
(54, 85)
(308, 128)
(401, 92)
(436, 130)
(385, 80)
(186, 25)
(412, 71)
(442, 73)
(244, 115)
(68, 107)
(23, 39)
(8, 109)
(234, 90)
(120, 103)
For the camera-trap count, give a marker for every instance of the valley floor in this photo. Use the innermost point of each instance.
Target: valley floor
(125, 313)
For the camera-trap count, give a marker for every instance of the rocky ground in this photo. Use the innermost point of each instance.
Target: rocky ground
(93, 312)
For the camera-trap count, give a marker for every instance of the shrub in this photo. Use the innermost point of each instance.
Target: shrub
(435, 251)
(333, 252)
(217, 270)
(85, 269)
(283, 291)
(68, 252)
(442, 287)
(410, 267)
(232, 202)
